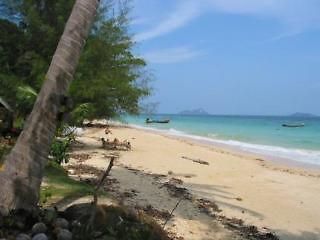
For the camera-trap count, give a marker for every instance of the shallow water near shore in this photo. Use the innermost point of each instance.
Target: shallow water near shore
(255, 134)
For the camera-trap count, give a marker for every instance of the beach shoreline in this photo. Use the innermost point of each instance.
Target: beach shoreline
(244, 186)
(276, 161)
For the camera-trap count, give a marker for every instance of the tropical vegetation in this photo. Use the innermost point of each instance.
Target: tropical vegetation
(109, 79)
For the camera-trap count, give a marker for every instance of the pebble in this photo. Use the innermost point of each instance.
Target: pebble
(39, 228)
(23, 236)
(64, 235)
(40, 236)
(61, 223)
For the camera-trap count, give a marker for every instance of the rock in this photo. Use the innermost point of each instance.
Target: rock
(20, 225)
(64, 234)
(23, 236)
(40, 236)
(75, 224)
(50, 215)
(39, 228)
(61, 223)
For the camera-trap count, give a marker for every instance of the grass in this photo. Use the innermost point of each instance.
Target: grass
(59, 186)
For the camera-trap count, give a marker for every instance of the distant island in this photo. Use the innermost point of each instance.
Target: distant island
(198, 111)
(305, 115)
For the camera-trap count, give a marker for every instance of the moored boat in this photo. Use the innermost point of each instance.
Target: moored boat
(148, 120)
(293, 125)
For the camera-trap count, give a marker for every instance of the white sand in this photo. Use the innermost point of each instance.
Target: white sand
(284, 199)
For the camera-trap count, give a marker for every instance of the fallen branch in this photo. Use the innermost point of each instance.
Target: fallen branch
(90, 227)
(196, 160)
(95, 194)
(171, 213)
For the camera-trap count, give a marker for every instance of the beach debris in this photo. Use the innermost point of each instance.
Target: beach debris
(170, 172)
(155, 176)
(128, 194)
(171, 213)
(116, 144)
(135, 171)
(82, 157)
(109, 185)
(178, 192)
(175, 181)
(81, 169)
(207, 206)
(239, 199)
(196, 160)
(247, 231)
(103, 178)
(96, 125)
(153, 212)
(107, 131)
(188, 175)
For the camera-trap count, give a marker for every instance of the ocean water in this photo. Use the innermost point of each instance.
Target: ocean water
(256, 134)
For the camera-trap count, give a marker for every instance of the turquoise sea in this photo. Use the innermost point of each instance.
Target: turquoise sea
(256, 134)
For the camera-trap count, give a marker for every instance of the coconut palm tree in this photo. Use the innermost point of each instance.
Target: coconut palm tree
(22, 171)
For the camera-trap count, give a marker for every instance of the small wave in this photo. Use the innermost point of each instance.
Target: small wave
(174, 131)
(300, 155)
(211, 135)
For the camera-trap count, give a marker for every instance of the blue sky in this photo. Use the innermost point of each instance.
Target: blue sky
(231, 56)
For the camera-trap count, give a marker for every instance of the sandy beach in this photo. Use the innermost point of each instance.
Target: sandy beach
(271, 196)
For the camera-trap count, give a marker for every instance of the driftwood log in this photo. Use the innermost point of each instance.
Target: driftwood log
(196, 160)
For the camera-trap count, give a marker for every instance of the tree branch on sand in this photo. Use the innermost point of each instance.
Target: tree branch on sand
(196, 160)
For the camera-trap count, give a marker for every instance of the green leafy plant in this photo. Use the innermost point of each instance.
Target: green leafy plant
(80, 113)
(59, 149)
(26, 97)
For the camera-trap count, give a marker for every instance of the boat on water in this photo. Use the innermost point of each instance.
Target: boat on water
(148, 120)
(293, 125)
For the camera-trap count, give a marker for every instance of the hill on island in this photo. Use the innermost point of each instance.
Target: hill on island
(198, 111)
(305, 115)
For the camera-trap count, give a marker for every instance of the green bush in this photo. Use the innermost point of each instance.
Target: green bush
(59, 149)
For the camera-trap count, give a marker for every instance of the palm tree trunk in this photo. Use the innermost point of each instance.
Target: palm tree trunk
(23, 168)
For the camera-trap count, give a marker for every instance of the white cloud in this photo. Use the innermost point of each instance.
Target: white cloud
(180, 17)
(295, 16)
(138, 21)
(172, 55)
